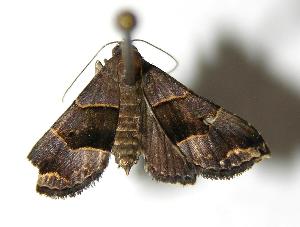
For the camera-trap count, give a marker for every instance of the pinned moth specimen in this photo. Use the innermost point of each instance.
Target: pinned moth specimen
(131, 109)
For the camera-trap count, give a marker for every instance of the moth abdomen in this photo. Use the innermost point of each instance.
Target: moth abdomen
(127, 144)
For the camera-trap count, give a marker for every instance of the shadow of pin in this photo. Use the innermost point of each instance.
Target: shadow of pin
(247, 88)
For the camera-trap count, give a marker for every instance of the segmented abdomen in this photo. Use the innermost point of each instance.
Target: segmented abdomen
(127, 146)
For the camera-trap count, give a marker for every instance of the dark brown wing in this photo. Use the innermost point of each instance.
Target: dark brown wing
(75, 151)
(219, 143)
(163, 160)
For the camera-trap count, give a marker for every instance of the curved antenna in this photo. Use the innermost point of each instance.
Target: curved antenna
(107, 44)
(176, 62)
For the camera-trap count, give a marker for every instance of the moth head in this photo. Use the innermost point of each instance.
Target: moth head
(117, 50)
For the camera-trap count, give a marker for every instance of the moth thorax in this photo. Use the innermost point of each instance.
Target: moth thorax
(136, 65)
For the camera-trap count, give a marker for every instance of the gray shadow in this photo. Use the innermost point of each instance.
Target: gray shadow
(246, 87)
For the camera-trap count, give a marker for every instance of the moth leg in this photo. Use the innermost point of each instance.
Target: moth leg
(98, 66)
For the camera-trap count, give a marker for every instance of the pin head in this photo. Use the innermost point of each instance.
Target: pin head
(126, 21)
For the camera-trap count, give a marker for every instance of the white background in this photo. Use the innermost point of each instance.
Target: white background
(244, 55)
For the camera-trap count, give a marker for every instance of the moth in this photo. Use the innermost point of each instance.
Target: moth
(179, 134)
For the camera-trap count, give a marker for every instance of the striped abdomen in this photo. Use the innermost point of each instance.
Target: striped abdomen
(127, 146)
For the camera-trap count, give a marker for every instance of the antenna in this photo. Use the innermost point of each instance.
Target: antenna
(126, 22)
(156, 47)
(86, 67)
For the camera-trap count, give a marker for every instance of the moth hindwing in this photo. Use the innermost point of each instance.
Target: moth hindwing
(179, 134)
